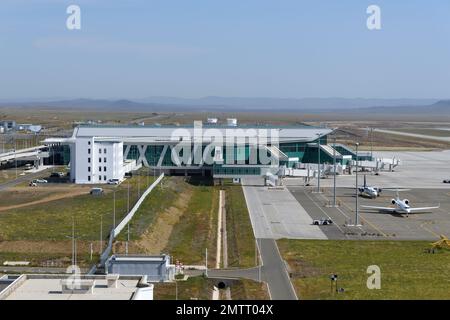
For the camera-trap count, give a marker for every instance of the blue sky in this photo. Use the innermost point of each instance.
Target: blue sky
(244, 48)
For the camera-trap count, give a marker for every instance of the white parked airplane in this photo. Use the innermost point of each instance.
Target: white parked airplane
(401, 206)
(369, 191)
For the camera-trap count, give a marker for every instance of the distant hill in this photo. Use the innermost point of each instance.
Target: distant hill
(439, 107)
(310, 105)
(288, 103)
(220, 104)
(442, 104)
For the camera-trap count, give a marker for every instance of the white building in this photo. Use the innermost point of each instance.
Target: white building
(81, 287)
(99, 153)
(96, 160)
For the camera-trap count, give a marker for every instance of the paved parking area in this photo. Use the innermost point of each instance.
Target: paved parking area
(276, 214)
(376, 225)
(289, 213)
(416, 170)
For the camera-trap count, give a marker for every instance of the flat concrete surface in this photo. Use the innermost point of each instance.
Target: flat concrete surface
(250, 273)
(275, 213)
(416, 170)
(27, 177)
(272, 271)
(375, 225)
(414, 135)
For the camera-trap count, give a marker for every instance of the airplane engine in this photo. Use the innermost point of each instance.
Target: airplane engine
(393, 201)
(406, 201)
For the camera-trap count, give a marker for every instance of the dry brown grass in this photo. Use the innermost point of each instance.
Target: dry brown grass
(156, 238)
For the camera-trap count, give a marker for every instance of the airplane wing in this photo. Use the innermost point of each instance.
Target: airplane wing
(388, 209)
(422, 209)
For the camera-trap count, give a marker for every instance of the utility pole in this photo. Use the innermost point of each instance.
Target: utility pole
(335, 174)
(356, 187)
(318, 162)
(73, 242)
(101, 233)
(15, 156)
(206, 262)
(74, 245)
(139, 186)
(114, 209)
(256, 252)
(371, 144)
(259, 266)
(128, 239)
(128, 197)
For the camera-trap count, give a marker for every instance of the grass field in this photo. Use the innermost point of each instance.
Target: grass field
(38, 232)
(183, 223)
(201, 288)
(49, 259)
(407, 272)
(196, 229)
(179, 219)
(241, 240)
(53, 220)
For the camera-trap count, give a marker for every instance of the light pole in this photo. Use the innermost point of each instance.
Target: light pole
(128, 197)
(371, 143)
(128, 239)
(356, 187)
(334, 170)
(15, 156)
(114, 209)
(101, 233)
(74, 244)
(139, 186)
(318, 162)
(206, 262)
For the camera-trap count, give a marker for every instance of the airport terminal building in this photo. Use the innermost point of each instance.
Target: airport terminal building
(98, 153)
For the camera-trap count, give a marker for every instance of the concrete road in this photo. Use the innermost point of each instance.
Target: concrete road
(20, 179)
(414, 135)
(272, 271)
(275, 214)
(250, 273)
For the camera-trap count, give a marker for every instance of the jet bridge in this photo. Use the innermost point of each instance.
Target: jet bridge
(29, 154)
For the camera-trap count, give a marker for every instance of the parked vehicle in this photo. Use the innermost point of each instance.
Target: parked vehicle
(96, 191)
(57, 174)
(322, 222)
(39, 181)
(113, 181)
(33, 184)
(446, 181)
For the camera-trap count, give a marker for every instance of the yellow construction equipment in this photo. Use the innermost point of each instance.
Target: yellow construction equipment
(444, 242)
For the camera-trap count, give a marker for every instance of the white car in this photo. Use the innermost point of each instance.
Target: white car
(113, 181)
(40, 181)
(322, 222)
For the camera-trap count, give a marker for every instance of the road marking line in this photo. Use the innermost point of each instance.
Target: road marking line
(325, 214)
(362, 218)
